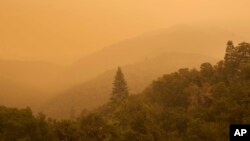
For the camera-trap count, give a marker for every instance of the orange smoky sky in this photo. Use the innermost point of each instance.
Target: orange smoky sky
(62, 31)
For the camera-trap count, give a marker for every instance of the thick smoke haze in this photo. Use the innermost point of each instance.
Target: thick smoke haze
(62, 31)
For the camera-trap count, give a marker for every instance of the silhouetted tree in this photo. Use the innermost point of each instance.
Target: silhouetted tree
(120, 89)
(243, 53)
(230, 52)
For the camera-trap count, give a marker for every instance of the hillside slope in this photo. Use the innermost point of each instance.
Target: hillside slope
(24, 83)
(183, 39)
(96, 92)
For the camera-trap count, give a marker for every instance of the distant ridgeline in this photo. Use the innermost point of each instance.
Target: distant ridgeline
(187, 105)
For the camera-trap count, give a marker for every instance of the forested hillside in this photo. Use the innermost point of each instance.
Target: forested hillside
(187, 105)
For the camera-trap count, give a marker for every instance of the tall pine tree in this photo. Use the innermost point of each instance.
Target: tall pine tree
(230, 53)
(120, 89)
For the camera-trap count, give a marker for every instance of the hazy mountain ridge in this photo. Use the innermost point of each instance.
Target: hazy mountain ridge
(25, 83)
(38, 75)
(183, 39)
(96, 92)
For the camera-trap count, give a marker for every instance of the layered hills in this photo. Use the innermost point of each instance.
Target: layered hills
(87, 82)
(96, 92)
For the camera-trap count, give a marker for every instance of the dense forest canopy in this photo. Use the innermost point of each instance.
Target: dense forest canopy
(190, 104)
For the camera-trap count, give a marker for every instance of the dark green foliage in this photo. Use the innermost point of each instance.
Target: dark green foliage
(206, 70)
(66, 131)
(21, 125)
(236, 57)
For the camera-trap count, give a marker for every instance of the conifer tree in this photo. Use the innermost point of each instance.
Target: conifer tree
(229, 56)
(243, 53)
(120, 89)
(231, 65)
